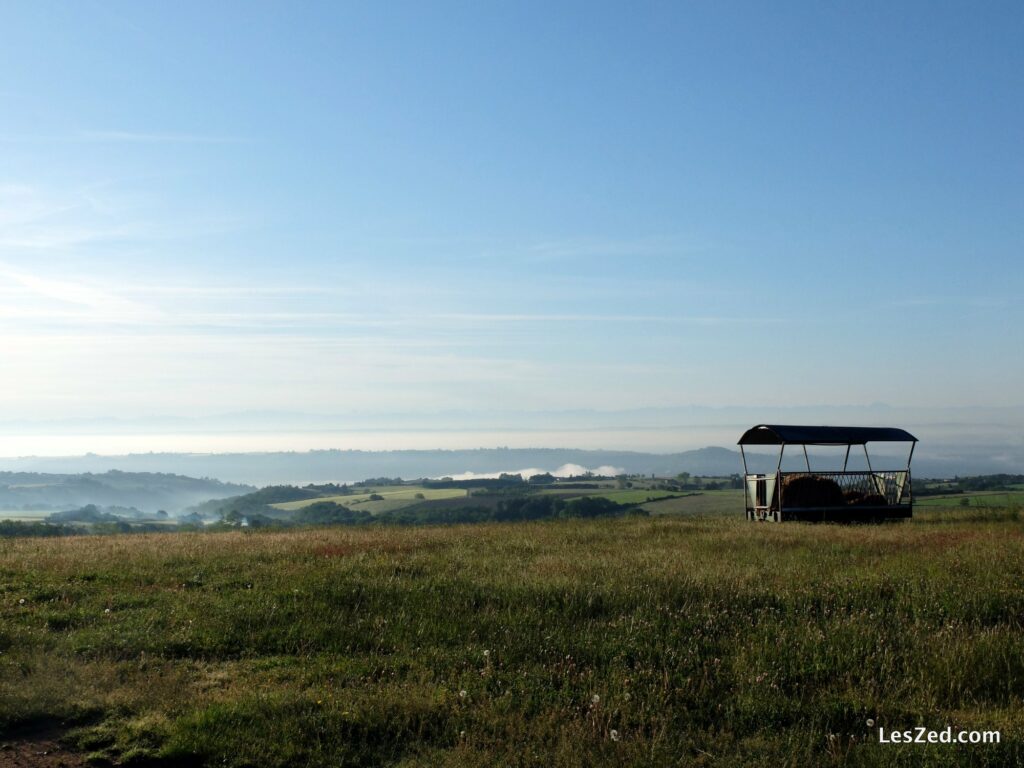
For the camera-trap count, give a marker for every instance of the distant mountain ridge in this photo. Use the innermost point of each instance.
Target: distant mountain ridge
(259, 469)
(146, 491)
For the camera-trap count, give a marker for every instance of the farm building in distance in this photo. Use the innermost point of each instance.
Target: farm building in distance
(815, 495)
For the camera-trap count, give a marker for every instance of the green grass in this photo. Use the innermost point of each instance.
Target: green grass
(394, 497)
(695, 640)
(633, 496)
(974, 499)
(640, 495)
(729, 502)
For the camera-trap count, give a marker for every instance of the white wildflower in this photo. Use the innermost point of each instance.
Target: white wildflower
(22, 601)
(614, 734)
(463, 693)
(595, 699)
(871, 723)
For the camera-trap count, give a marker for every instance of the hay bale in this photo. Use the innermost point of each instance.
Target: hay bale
(858, 499)
(804, 491)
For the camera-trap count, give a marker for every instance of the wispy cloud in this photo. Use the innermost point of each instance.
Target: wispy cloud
(40, 292)
(22, 204)
(40, 218)
(65, 237)
(35, 219)
(144, 137)
(595, 247)
(124, 137)
(953, 301)
(603, 318)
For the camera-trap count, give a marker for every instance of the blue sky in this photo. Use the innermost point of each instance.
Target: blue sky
(414, 207)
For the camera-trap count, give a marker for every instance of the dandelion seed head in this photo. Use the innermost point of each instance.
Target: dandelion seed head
(595, 699)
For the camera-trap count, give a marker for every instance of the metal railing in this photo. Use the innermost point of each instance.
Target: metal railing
(764, 490)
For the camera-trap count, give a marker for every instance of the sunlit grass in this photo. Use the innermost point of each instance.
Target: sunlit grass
(392, 498)
(697, 641)
(974, 499)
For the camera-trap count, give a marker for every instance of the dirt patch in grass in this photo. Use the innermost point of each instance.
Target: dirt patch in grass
(38, 746)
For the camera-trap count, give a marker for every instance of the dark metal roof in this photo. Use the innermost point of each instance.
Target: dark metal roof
(777, 434)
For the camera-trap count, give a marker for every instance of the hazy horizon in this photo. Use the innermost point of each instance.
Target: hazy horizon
(944, 433)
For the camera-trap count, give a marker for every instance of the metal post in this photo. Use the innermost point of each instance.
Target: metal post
(778, 479)
(746, 495)
(847, 457)
(868, 459)
(807, 460)
(910, 482)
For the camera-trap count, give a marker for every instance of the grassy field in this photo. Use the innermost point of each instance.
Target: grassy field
(394, 497)
(729, 503)
(672, 640)
(636, 496)
(974, 499)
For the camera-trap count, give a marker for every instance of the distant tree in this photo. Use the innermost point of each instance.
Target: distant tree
(12, 528)
(329, 513)
(544, 479)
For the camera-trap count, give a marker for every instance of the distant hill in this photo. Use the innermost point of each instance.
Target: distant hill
(262, 469)
(352, 466)
(146, 491)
